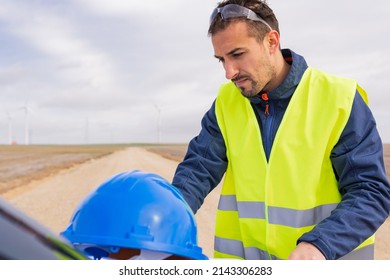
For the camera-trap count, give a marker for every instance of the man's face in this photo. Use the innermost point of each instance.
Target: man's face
(246, 61)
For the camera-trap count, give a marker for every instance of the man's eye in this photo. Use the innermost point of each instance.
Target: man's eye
(237, 54)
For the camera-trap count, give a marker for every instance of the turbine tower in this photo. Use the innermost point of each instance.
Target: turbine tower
(10, 136)
(158, 123)
(86, 130)
(26, 110)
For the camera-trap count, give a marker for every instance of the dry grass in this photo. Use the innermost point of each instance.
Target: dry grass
(22, 164)
(173, 152)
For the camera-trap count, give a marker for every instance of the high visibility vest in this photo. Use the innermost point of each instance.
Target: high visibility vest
(265, 207)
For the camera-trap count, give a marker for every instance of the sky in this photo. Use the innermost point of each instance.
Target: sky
(124, 71)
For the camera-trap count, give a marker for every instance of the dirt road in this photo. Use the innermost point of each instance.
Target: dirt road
(52, 200)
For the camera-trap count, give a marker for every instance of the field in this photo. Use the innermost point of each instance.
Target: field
(63, 175)
(21, 164)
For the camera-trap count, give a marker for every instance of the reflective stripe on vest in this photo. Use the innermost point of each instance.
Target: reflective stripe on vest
(266, 206)
(276, 215)
(236, 248)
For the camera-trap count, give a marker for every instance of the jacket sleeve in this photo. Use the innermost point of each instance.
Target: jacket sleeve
(358, 163)
(204, 163)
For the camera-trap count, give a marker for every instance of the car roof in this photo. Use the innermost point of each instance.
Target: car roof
(23, 238)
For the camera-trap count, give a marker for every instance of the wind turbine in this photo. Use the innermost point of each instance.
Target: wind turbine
(158, 122)
(86, 130)
(10, 136)
(26, 110)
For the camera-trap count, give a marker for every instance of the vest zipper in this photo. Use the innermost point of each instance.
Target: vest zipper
(265, 98)
(268, 125)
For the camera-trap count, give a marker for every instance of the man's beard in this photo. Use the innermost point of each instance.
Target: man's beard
(253, 91)
(256, 85)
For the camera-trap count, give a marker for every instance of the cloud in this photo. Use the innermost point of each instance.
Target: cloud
(86, 63)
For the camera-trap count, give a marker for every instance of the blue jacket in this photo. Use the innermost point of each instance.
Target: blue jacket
(357, 160)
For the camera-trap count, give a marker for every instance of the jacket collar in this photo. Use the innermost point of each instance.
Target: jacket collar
(287, 88)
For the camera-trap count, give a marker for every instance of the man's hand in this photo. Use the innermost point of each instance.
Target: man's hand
(306, 251)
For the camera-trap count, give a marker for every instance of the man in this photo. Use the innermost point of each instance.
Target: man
(298, 148)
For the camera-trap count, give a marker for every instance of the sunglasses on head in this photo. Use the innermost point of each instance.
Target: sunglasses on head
(236, 11)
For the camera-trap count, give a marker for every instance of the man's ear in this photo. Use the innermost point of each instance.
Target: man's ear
(273, 41)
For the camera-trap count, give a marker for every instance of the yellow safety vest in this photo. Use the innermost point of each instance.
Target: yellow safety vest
(266, 206)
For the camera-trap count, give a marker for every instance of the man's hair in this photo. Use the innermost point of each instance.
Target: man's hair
(255, 28)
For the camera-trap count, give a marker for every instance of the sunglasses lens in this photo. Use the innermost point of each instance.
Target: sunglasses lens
(228, 12)
(236, 11)
(214, 14)
(232, 12)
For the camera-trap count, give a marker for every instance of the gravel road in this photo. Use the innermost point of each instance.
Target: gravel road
(52, 200)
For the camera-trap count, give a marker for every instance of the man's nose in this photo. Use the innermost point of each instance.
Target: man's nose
(231, 70)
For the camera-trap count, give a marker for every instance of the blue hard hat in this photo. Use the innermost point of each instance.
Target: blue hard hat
(137, 210)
